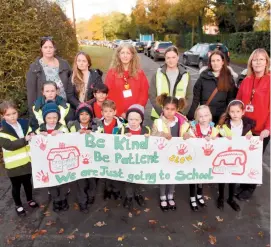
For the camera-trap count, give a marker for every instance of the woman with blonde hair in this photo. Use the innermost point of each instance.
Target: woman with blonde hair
(126, 81)
(255, 93)
(82, 80)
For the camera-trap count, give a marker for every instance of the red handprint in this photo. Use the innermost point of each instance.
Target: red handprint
(182, 149)
(86, 159)
(161, 143)
(253, 173)
(42, 177)
(41, 143)
(253, 145)
(208, 149)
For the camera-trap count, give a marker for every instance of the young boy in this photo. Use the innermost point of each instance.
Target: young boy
(109, 124)
(84, 125)
(52, 126)
(100, 93)
(135, 117)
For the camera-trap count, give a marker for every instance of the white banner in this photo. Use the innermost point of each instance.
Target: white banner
(68, 157)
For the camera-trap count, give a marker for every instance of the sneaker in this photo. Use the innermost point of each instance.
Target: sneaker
(128, 203)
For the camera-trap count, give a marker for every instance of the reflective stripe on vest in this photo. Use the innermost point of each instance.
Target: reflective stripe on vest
(225, 131)
(16, 158)
(38, 115)
(162, 127)
(162, 87)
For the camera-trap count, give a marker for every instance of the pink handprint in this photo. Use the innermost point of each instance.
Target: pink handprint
(208, 149)
(253, 145)
(41, 143)
(253, 173)
(42, 177)
(161, 143)
(182, 149)
(86, 159)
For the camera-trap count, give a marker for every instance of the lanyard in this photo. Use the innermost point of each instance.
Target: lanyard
(126, 83)
(254, 89)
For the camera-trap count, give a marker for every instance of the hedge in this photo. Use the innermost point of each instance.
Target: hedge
(22, 24)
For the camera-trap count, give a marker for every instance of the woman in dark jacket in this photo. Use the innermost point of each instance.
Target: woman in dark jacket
(47, 67)
(216, 76)
(82, 80)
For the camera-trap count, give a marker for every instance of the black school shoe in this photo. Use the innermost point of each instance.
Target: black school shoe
(107, 194)
(233, 205)
(193, 208)
(128, 202)
(56, 206)
(91, 200)
(164, 208)
(116, 195)
(245, 195)
(83, 208)
(140, 200)
(220, 203)
(20, 211)
(33, 204)
(64, 205)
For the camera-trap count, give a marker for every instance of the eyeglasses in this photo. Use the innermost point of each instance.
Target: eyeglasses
(261, 60)
(47, 38)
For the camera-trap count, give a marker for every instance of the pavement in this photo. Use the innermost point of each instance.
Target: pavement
(140, 227)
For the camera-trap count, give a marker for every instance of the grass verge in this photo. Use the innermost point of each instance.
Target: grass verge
(240, 59)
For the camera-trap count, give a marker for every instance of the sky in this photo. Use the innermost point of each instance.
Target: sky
(84, 9)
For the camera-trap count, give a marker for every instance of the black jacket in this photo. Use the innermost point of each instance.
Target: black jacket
(248, 124)
(94, 79)
(35, 78)
(14, 145)
(203, 89)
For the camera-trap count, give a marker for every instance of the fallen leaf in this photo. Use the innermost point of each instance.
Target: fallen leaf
(120, 239)
(130, 215)
(145, 238)
(238, 238)
(146, 198)
(261, 234)
(196, 226)
(133, 228)
(61, 231)
(100, 224)
(47, 213)
(9, 241)
(200, 223)
(169, 238)
(75, 206)
(49, 223)
(152, 222)
(17, 236)
(138, 212)
(212, 239)
(37, 233)
(87, 235)
(71, 237)
(106, 209)
(207, 198)
(146, 210)
(219, 219)
(42, 206)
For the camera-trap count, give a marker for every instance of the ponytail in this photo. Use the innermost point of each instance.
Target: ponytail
(164, 99)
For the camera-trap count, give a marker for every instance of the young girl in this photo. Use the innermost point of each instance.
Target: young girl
(49, 93)
(170, 124)
(202, 127)
(52, 126)
(135, 117)
(14, 137)
(233, 123)
(84, 125)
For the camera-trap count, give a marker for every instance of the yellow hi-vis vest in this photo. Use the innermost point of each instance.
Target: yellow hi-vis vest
(16, 158)
(225, 131)
(162, 87)
(63, 113)
(63, 128)
(162, 127)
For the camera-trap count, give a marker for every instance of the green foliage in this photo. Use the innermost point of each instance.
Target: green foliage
(22, 24)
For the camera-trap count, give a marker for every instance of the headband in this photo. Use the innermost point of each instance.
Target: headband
(237, 100)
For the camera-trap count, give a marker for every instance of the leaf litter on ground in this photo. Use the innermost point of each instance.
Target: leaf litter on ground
(100, 224)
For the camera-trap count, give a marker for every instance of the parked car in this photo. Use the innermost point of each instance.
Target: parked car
(158, 49)
(129, 41)
(199, 53)
(139, 46)
(147, 48)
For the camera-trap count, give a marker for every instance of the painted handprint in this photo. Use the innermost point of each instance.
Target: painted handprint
(252, 174)
(86, 159)
(42, 177)
(41, 143)
(161, 143)
(208, 149)
(182, 149)
(253, 145)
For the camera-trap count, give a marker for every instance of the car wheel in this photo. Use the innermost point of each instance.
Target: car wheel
(185, 61)
(200, 64)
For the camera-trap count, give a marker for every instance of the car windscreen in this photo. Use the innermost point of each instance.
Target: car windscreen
(165, 45)
(139, 43)
(222, 48)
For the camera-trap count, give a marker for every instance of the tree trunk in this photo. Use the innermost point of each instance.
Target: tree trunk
(200, 32)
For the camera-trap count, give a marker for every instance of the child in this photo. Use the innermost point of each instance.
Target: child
(14, 137)
(49, 91)
(233, 123)
(84, 125)
(100, 93)
(52, 126)
(170, 124)
(110, 125)
(202, 127)
(135, 117)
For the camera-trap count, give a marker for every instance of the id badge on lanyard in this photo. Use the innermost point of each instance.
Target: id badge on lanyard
(250, 106)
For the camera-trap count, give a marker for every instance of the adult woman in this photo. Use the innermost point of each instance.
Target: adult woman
(215, 87)
(172, 79)
(127, 83)
(255, 94)
(47, 67)
(83, 80)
